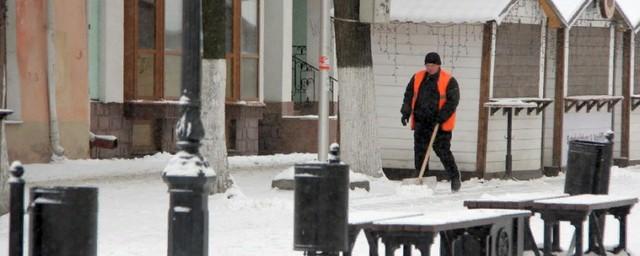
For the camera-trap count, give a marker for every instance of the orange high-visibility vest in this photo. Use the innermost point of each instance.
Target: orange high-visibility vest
(443, 83)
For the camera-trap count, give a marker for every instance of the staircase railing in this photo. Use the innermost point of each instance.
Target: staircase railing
(304, 78)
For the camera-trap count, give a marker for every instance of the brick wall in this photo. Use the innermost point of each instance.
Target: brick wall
(108, 119)
(242, 122)
(281, 132)
(517, 63)
(589, 61)
(117, 119)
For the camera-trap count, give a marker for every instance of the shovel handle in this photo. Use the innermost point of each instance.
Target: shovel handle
(426, 156)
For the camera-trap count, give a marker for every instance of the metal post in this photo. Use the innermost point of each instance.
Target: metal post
(16, 212)
(188, 174)
(324, 66)
(509, 159)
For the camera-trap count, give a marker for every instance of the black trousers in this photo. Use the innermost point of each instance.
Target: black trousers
(441, 145)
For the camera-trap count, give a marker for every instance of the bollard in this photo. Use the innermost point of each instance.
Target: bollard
(16, 211)
(321, 204)
(188, 232)
(63, 221)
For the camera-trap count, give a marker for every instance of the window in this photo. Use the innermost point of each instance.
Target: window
(243, 37)
(153, 38)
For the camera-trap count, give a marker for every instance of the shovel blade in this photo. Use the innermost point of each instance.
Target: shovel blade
(430, 182)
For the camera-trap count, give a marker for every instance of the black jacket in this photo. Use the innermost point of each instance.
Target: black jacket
(426, 108)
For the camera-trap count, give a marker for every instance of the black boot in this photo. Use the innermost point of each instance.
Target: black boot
(456, 183)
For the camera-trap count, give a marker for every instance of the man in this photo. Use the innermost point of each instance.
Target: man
(431, 98)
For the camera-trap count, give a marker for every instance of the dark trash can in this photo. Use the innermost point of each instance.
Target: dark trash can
(321, 201)
(588, 167)
(63, 221)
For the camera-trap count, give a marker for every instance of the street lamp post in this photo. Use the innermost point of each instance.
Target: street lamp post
(188, 174)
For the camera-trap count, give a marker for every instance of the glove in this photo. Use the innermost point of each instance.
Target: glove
(404, 120)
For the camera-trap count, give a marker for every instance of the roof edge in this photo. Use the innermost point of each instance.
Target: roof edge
(556, 11)
(580, 11)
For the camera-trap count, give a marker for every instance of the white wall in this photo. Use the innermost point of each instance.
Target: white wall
(278, 33)
(112, 52)
(13, 77)
(526, 142)
(398, 52)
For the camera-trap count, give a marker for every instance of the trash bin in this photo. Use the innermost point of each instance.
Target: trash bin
(588, 167)
(321, 207)
(63, 221)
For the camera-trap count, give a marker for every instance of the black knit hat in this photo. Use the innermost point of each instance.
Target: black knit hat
(432, 58)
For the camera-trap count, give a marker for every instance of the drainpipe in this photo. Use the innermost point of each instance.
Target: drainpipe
(54, 131)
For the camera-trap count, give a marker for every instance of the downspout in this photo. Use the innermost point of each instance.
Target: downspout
(54, 131)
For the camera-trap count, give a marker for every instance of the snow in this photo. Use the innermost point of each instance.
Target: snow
(519, 197)
(308, 117)
(447, 11)
(363, 217)
(188, 165)
(630, 9)
(258, 220)
(585, 199)
(441, 218)
(288, 174)
(510, 103)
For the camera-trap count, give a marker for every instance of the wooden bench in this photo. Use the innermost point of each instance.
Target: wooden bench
(576, 209)
(360, 219)
(493, 227)
(520, 202)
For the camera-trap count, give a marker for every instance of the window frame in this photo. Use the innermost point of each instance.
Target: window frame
(132, 52)
(236, 56)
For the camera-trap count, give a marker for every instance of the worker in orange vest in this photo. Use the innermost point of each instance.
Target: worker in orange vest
(431, 98)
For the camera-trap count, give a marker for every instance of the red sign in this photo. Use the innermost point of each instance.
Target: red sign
(324, 63)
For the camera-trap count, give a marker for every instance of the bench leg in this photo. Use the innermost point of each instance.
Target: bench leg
(622, 243)
(406, 249)
(578, 234)
(372, 240)
(530, 242)
(556, 237)
(390, 246)
(548, 229)
(425, 246)
(596, 232)
(596, 240)
(446, 244)
(352, 236)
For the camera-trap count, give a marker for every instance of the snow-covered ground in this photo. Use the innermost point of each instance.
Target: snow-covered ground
(258, 220)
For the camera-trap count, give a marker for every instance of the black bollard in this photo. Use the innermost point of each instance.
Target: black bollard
(63, 221)
(321, 203)
(16, 211)
(188, 233)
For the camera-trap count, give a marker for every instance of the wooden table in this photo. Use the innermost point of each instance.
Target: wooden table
(491, 226)
(520, 202)
(360, 219)
(576, 209)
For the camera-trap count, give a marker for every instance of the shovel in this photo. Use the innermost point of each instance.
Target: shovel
(431, 182)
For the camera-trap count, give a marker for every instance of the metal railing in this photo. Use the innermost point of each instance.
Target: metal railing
(303, 89)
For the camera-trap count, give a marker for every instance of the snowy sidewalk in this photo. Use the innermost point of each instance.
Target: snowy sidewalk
(259, 220)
